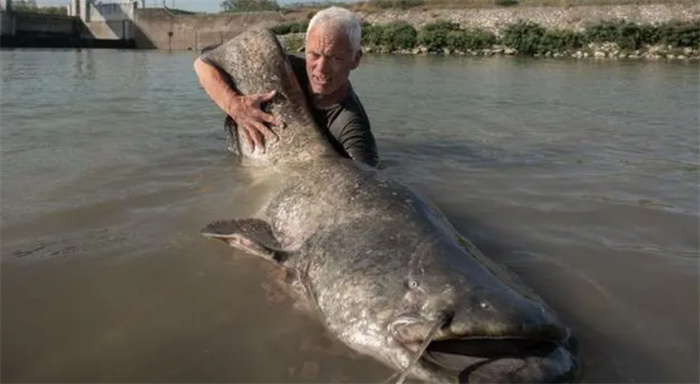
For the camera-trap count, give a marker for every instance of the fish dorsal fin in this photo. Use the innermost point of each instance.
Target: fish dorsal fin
(250, 235)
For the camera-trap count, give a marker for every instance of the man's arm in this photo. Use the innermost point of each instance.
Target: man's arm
(358, 141)
(216, 86)
(245, 110)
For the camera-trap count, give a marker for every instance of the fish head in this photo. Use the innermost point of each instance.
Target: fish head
(463, 318)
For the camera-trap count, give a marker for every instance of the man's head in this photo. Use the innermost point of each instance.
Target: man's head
(332, 49)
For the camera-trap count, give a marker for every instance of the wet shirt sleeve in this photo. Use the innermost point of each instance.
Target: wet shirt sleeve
(358, 141)
(349, 125)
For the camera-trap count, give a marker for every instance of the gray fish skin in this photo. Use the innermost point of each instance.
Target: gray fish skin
(255, 63)
(377, 262)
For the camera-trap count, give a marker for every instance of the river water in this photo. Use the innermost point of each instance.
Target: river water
(582, 177)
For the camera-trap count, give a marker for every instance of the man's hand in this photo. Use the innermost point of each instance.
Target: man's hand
(244, 110)
(247, 113)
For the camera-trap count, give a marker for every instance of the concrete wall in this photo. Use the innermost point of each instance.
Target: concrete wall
(7, 24)
(110, 30)
(52, 31)
(38, 23)
(158, 28)
(574, 18)
(111, 20)
(112, 11)
(112, 26)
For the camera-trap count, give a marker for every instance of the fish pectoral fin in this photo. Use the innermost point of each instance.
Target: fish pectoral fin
(250, 235)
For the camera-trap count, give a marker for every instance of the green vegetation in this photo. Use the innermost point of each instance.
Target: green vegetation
(475, 39)
(292, 42)
(526, 38)
(506, 3)
(631, 36)
(177, 11)
(393, 36)
(530, 39)
(433, 36)
(396, 4)
(291, 27)
(249, 5)
(445, 35)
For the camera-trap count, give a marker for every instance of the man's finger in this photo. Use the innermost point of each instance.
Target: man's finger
(259, 143)
(269, 118)
(255, 138)
(263, 97)
(248, 137)
(267, 132)
(268, 96)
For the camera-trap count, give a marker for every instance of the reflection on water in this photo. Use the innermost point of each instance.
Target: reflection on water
(580, 176)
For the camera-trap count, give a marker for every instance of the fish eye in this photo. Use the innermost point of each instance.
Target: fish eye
(413, 284)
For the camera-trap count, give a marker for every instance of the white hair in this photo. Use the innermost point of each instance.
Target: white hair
(341, 20)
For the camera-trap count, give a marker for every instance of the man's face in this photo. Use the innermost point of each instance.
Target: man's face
(329, 59)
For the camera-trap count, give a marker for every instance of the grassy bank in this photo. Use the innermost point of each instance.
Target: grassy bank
(613, 38)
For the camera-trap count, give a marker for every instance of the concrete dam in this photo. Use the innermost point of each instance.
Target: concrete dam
(127, 24)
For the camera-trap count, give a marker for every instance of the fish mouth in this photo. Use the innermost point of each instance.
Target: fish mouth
(542, 353)
(487, 347)
(502, 359)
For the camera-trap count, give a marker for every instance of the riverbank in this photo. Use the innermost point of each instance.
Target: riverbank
(161, 29)
(606, 39)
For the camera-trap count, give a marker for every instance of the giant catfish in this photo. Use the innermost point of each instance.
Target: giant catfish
(383, 269)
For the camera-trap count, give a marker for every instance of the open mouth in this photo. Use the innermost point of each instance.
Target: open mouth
(321, 80)
(502, 360)
(459, 354)
(530, 353)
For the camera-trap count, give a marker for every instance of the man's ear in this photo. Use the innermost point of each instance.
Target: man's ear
(357, 58)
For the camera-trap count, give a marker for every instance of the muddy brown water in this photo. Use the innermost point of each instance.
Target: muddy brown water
(582, 177)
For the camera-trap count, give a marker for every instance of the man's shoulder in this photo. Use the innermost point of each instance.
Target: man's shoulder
(352, 129)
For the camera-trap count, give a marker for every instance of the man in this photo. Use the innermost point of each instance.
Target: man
(332, 51)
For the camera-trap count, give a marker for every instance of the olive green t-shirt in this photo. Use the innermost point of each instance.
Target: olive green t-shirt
(346, 124)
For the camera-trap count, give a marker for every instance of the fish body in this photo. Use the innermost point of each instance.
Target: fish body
(379, 264)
